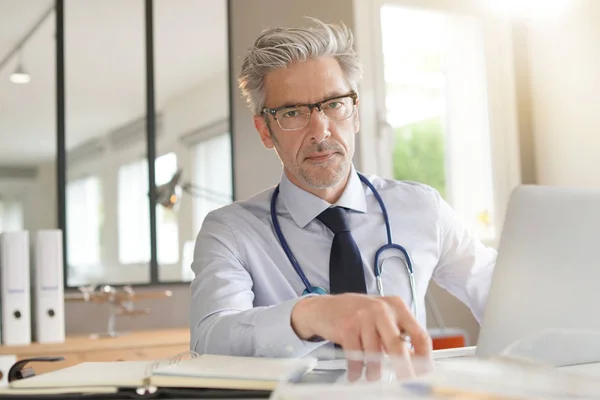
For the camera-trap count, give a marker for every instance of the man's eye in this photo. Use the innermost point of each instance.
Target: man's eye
(333, 104)
(290, 114)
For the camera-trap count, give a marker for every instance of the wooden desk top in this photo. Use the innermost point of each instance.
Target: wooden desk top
(83, 343)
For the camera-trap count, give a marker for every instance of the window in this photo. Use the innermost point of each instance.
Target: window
(11, 215)
(436, 105)
(212, 176)
(134, 214)
(84, 222)
(167, 235)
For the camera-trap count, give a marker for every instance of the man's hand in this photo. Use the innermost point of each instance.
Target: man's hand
(363, 324)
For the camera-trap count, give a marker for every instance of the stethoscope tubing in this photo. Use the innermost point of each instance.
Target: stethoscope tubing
(378, 268)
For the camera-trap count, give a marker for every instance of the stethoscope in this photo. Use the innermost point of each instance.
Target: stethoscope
(378, 268)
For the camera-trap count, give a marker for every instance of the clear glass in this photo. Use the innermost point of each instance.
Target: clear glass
(28, 119)
(84, 221)
(167, 224)
(134, 218)
(133, 213)
(11, 215)
(212, 177)
(192, 102)
(389, 377)
(106, 142)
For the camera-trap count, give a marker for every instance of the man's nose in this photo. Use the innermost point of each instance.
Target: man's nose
(319, 125)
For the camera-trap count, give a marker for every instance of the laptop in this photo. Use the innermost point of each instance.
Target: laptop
(544, 301)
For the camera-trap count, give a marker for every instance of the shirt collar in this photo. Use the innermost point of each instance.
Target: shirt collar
(304, 206)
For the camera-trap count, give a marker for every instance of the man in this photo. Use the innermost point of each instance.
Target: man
(262, 280)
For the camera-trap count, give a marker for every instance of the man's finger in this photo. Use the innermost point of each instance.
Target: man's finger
(396, 346)
(419, 338)
(389, 333)
(373, 352)
(354, 356)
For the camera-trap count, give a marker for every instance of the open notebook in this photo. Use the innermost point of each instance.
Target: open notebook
(201, 371)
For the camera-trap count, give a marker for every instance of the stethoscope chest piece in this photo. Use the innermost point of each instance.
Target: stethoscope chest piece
(314, 289)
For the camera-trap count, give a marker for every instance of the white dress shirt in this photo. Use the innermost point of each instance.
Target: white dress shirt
(245, 286)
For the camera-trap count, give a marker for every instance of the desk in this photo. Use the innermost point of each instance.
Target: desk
(457, 352)
(136, 345)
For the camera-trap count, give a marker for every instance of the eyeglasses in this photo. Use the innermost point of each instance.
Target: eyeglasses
(291, 118)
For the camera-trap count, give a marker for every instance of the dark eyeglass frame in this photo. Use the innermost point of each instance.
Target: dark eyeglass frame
(353, 95)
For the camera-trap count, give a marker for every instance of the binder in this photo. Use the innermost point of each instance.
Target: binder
(14, 288)
(49, 288)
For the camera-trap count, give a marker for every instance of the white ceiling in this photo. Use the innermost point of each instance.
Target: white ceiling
(104, 67)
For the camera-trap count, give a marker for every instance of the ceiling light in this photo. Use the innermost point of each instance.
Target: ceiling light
(20, 76)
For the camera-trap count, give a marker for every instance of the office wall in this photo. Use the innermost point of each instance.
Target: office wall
(565, 95)
(522, 66)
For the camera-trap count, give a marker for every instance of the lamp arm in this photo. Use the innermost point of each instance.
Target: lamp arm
(212, 195)
(191, 187)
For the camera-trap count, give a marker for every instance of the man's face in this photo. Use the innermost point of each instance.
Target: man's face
(319, 155)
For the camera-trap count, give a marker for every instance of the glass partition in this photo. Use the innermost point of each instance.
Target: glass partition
(28, 198)
(108, 239)
(192, 103)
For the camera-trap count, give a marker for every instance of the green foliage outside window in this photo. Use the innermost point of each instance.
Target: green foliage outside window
(419, 153)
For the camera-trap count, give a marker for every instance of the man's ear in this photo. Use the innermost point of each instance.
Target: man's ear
(263, 130)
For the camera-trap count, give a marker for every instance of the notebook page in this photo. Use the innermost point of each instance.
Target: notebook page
(117, 373)
(5, 391)
(243, 368)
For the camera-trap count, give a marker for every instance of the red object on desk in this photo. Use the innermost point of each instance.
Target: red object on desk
(448, 338)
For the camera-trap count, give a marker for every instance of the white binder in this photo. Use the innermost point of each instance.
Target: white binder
(49, 288)
(14, 278)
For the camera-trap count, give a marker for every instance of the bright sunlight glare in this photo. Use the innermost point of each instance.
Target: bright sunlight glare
(530, 9)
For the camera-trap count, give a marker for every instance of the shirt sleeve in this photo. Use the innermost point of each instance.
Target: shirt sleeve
(222, 317)
(466, 265)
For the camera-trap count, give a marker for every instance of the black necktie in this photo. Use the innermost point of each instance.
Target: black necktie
(346, 272)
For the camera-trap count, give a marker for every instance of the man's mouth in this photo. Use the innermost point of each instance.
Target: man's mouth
(320, 157)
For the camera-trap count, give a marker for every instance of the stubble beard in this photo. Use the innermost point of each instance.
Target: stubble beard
(311, 177)
(326, 174)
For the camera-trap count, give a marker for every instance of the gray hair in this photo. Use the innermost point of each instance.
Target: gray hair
(279, 47)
